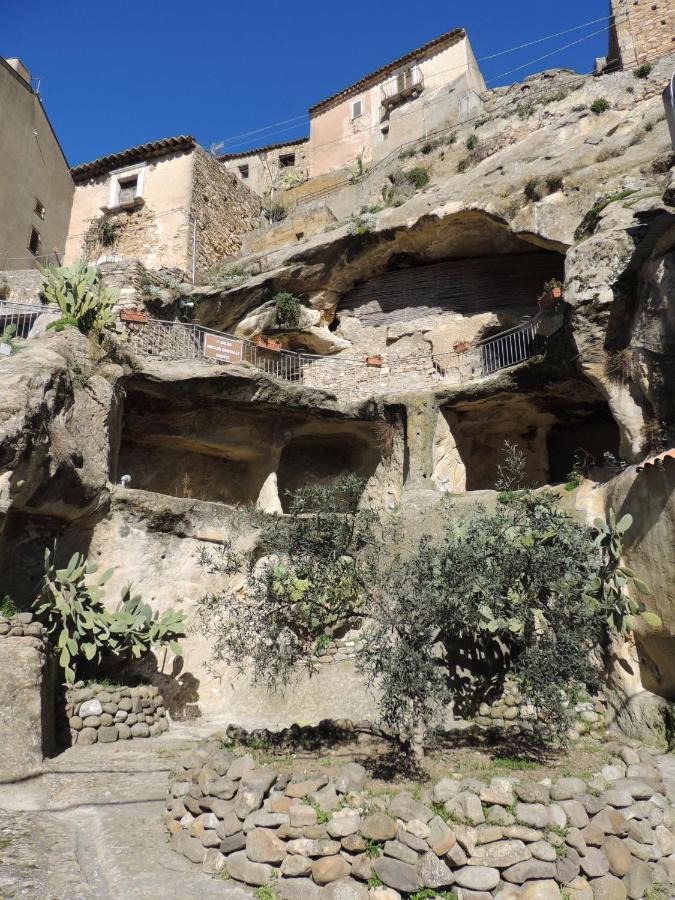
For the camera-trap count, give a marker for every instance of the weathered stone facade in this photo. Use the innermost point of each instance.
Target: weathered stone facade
(642, 31)
(224, 210)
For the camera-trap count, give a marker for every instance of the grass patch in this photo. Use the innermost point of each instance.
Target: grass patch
(7, 607)
(590, 221)
(599, 105)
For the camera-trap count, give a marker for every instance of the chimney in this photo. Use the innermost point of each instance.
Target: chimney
(19, 68)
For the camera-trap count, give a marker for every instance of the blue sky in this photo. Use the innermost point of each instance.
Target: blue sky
(116, 75)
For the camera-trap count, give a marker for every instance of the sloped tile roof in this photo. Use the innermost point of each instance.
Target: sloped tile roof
(438, 43)
(134, 154)
(254, 150)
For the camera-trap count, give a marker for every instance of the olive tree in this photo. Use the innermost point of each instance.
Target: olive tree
(521, 588)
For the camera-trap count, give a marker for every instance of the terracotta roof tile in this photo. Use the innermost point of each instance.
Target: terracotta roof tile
(661, 459)
(254, 150)
(443, 40)
(134, 154)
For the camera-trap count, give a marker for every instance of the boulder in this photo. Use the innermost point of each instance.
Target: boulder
(296, 867)
(433, 872)
(477, 878)
(345, 889)
(567, 788)
(263, 846)
(445, 789)
(379, 827)
(528, 871)
(396, 874)
(310, 847)
(500, 854)
(329, 868)
(404, 807)
(343, 823)
(241, 868)
(618, 855)
(546, 889)
(594, 864)
(608, 887)
(351, 777)
(214, 862)
(397, 850)
(534, 814)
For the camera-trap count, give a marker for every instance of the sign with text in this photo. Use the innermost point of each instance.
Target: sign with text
(222, 348)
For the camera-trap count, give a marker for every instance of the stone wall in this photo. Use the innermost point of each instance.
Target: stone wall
(105, 714)
(224, 209)
(20, 285)
(609, 836)
(26, 697)
(643, 31)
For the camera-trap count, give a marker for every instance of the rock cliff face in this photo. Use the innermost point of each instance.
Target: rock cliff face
(552, 190)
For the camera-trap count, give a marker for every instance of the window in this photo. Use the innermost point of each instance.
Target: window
(286, 160)
(128, 189)
(357, 108)
(39, 209)
(243, 171)
(34, 242)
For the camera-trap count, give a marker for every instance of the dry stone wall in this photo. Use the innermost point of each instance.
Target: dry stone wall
(97, 713)
(609, 836)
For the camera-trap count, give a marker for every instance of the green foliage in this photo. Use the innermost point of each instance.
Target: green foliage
(308, 582)
(81, 295)
(7, 337)
(7, 607)
(287, 309)
(274, 211)
(525, 109)
(373, 848)
(599, 105)
(427, 893)
(363, 223)
(472, 142)
(107, 231)
(83, 631)
(417, 177)
(643, 71)
(524, 588)
(451, 138)
(374, 881)
(266, 892)
(577, 472)
(590, 221)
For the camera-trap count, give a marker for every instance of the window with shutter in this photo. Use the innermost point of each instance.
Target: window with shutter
(128, 190)
(357, 108)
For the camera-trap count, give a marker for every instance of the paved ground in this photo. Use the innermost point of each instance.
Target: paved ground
(90, 827)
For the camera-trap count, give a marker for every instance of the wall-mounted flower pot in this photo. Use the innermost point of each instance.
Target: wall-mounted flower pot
(461, 346)
(556, 293)
(132, 315)
(376, 361)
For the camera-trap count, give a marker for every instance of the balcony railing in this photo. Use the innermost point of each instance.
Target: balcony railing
(408, 83)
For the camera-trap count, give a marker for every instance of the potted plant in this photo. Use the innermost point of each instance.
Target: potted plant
(461, 346)
(552, 293)
(375, 360)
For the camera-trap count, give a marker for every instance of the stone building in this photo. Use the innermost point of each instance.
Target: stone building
(275, 166)
(166, 203)
(36, 188)
(641, 31)
(401, 101)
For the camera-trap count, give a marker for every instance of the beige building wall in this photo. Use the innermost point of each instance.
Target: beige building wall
(33, 170)
(157, 233)
(261, 170)
(338, 138)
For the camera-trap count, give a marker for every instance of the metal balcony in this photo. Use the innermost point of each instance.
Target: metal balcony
(409, 83)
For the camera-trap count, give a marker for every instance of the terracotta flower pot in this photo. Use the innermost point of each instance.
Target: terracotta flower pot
(374, 361)
(556, 293)
(461, 346)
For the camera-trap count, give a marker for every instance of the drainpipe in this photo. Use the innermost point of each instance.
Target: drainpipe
(194, 247)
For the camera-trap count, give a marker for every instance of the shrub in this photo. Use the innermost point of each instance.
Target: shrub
(107, 231)
(599, 105)
(532, 190)
(524, 110)
(643, 71)
(274, 211)
(654, 436)
(8, 337)
(523, 584)
(621, 366)
(417, 177)
(472, 142)
(5, 289)
(287, 309)
(451, 139)
(81, 295)
(7, 607)
(71, 606)
(364, 223)
(590, 221)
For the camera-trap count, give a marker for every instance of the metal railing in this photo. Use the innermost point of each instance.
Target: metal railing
(179, 340)
(18, 319)
(403, 84)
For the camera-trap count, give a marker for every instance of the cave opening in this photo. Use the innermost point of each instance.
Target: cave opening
(554, 433)
(319, 458)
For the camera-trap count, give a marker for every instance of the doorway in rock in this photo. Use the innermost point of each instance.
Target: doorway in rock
(320, 458)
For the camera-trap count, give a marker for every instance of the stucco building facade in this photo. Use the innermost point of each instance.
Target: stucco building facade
(36, 188)
(401, 101)
(166, 203)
